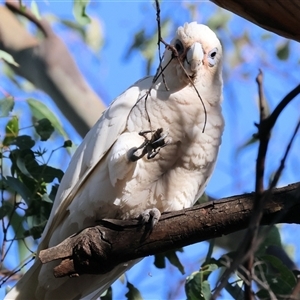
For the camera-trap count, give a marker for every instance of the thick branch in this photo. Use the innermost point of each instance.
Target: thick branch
(50, 67)
(279, 16)
(99, 249)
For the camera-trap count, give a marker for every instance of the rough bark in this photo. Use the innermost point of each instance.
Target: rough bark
(279, 16)
(48, 64)
(99, 249)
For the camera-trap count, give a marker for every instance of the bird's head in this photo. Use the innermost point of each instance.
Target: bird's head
(199, 56)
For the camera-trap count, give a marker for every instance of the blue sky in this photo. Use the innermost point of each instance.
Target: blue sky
(109, 73)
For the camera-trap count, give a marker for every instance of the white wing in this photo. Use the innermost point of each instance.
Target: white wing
(95, 145)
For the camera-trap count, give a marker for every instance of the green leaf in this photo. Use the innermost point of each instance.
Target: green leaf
(22, 6)
(6, 105)
(44, 129)
(133, 293)
(94, 35)
(107, 295)
(67, 144)
(281, 281)
(35, 231)
(5, 209)
(284, 271)
(252, 140)
(47, 199)
(208, 269)
(283, 51)
(21, 164)
(17, 222)
(147, 44)
(197, 286)
(159, 261)
(23, 142)
(74, 26)
(196, 289)
(79, 8)
(40, 111)
(174, 260)
(171, 255)
(8, 58)
(271, 239)
(11, 131)
(19, 187)
(49, 173)
(35, 10)
(218, 20)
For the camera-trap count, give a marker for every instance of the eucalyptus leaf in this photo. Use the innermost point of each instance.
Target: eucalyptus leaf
(283, 51)
(23, 142)
(79, 11)
(11, 131)
(8, 58)
(44, 128)
(6, 106)
(171, 255)
(40, 111)
(19, 187)
(35, 9)
(133, 293)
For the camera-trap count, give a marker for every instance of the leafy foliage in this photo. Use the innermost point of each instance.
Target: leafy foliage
(197, 285)
(29, 178)
(171, 256)
(28, 182)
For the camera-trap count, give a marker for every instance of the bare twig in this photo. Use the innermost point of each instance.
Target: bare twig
(259, 188)
(198, 94)
(249, 245)
(12, 274)
(159, 38)
(263, 107)
(23, 11)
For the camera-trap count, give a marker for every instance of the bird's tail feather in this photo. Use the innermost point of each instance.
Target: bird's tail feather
(85, 287)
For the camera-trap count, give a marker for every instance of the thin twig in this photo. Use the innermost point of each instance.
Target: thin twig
(158, 45)
(199, 96)
(263, 107)
(259, 189)
(248, 245)
(23, 11)
(12, 273)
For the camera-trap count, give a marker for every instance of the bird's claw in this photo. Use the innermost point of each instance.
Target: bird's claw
(150, 216)
(151, 146)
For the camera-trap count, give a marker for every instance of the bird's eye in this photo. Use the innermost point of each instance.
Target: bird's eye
(179, 46)
(213, 54)
(211, 57)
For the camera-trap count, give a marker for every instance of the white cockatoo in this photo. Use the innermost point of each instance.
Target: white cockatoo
(153, 150)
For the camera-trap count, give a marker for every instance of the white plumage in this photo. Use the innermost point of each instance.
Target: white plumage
(102, 182)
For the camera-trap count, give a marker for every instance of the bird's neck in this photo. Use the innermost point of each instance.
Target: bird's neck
(172, 79)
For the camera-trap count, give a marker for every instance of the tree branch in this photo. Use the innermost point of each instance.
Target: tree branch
(279, 16)
(50, 67)
(99, 249)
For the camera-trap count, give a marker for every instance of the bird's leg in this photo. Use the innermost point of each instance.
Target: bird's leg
(156, 146)
(151, 146)
(150, 216)
(133, 153)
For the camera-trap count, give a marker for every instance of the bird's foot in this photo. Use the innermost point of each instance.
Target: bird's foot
(151, 217)
(151, 146)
